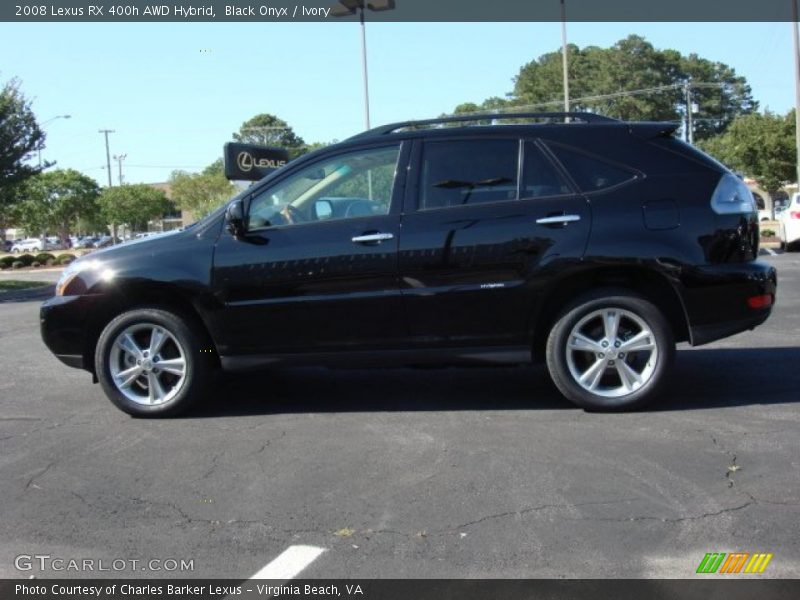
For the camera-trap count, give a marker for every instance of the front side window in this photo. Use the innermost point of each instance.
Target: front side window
(461, 172)
(354, 184)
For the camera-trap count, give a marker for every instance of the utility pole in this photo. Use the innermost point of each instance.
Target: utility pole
(119, 158)
(108, 154)
(796, 90)
(564, 57)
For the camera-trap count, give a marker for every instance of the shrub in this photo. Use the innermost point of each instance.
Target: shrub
(767, 233)
(17, 264)
(7, 260)
(43, 257)
(50, 262)
(65, 259)
(25, 259)
(4, 266)
(36, 263)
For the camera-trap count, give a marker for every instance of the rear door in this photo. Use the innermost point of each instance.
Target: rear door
(484, 220)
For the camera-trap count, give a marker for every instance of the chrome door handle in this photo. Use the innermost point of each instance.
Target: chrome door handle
(557, 219)
(372, 237)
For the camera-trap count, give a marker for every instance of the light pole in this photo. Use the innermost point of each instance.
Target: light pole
(346, 8)
(108, 154)
(50, 120)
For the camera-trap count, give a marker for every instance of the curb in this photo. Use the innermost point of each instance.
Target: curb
(41, 292)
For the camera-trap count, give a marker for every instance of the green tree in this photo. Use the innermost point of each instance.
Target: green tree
(20, 135)
(269, 130)
(64, 196)
(55, 200)
(601, 77)
(215, 168)
(132, 205)
(761, 146)
(200, 193)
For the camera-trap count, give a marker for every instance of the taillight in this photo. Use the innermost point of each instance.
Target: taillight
(732, 196)
(760, 301)
(794, 214)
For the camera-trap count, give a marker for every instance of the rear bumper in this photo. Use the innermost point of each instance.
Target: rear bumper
(64, 322)
(791, 229)
(716, 298)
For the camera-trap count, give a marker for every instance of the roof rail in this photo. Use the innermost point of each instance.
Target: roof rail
(577, 116)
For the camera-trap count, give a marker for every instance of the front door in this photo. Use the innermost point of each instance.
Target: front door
(317, 269)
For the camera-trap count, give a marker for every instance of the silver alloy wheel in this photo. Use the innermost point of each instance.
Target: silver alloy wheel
(611, 352)
(147, 364)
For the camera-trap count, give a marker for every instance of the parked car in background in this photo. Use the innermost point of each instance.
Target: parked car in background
(763, 213)
(85, 242)
(789, 224)
(28, 245)
(53, 243)
(106, 241)
(7, 245)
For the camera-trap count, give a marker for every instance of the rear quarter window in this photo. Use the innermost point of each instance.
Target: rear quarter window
(591, 173)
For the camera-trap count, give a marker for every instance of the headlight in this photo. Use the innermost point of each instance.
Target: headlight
(79, 266)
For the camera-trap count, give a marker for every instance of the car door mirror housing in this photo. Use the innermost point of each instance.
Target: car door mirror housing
(323, 210)
(234, 218)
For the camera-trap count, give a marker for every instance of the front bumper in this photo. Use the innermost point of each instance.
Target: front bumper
(716, 298)
(66, 327)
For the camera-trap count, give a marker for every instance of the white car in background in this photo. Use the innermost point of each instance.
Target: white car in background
(789, 223)
(27, 245)
(763, 213)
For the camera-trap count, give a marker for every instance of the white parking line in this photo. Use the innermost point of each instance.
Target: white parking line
(289, 563)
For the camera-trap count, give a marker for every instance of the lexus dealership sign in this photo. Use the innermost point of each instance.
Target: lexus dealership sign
(250, 162)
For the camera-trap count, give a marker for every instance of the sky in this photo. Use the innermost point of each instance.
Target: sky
(175, 92)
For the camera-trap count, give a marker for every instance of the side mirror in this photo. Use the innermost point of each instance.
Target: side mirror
(323, 210)
(234, 218)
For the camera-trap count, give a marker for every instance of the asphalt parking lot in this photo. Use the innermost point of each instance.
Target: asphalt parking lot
(410, 473)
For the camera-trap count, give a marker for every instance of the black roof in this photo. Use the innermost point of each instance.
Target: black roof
(571, 117)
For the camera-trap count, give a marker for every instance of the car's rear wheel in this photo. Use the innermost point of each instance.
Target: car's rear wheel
(151, 363)
(610, 350)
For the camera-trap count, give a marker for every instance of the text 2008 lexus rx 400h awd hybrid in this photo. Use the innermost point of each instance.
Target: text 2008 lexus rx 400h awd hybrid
(594, 245)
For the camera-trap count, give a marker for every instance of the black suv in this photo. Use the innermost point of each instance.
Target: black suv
(592, 244)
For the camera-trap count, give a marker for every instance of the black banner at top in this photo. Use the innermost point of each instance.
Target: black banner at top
(285, 11)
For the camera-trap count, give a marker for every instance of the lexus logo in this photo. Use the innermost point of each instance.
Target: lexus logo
(246, 162)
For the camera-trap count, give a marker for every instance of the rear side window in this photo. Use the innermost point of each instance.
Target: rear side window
(590, 173)
(540, 176)
(461, 172)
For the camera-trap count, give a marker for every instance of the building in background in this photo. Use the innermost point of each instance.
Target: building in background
(175, 219)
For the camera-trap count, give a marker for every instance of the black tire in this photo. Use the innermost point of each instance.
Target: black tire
(196, 355)
(631, 305)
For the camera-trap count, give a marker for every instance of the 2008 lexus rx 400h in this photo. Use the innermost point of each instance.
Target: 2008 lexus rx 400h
(594, 245)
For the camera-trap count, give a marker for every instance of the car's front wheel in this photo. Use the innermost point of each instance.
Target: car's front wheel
(610, 351)
(151, 363)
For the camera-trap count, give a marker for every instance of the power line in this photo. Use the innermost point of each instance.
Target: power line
(660, 88)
